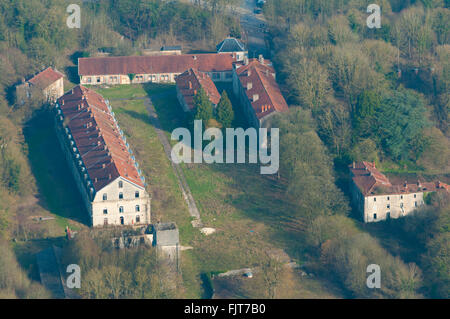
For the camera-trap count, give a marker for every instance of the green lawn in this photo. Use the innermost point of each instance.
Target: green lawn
(130, 91)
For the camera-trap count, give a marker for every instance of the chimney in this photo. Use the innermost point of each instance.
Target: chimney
(195, 57)
(109, 176)
(261, 59)
(249, 85)
(255, 97)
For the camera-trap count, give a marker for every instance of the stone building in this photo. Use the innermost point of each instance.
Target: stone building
(102, 163)
(233, 45)
(153, 69)
(254, 82)
(188, 84)
(49, 83)
(377, 199)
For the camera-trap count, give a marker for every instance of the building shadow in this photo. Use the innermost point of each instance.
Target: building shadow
(58, 191)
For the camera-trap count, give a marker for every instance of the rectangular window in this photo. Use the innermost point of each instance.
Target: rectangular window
(138, 219)
(120, 184)
(374, 199)
(374, 216)
(89, 80)
(415, 196)
(121, 209)
(105, 196)
(105, 211)
(401, 205)
(105, 221)
(415, 204)
(138, 209)
(120, 195)
(388, 198)
(388, 206)
(136, 194)
(98, 80)
(401, 196)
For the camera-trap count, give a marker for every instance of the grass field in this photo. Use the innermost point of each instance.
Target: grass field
(246, 208)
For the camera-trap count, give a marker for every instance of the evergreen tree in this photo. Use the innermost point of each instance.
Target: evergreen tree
(224, 111)
(203, 106)
(363, 115)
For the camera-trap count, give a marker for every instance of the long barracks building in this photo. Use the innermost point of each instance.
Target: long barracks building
(105, 171)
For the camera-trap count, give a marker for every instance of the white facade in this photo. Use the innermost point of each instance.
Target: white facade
(383, 207)
(223, 76)
(121, 203)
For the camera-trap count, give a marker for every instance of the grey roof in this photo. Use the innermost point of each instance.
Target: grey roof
(230, 45)
(166, 234)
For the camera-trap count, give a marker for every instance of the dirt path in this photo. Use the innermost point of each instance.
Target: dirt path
(186, 191)
(187, 195)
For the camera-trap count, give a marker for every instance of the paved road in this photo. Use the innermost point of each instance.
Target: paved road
(254, 26)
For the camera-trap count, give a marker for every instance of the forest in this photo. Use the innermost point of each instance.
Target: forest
(355, 94)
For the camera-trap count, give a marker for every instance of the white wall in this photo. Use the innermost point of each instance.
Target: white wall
(381, 209)
(128, 203)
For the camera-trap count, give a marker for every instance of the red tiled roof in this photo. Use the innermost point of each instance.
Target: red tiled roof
(97, 137)
(262, 79)
(190, 82)
(45, 78)
(211, 62)
(371, 181)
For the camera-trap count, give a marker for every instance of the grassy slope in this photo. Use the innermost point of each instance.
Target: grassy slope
(246, 208)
